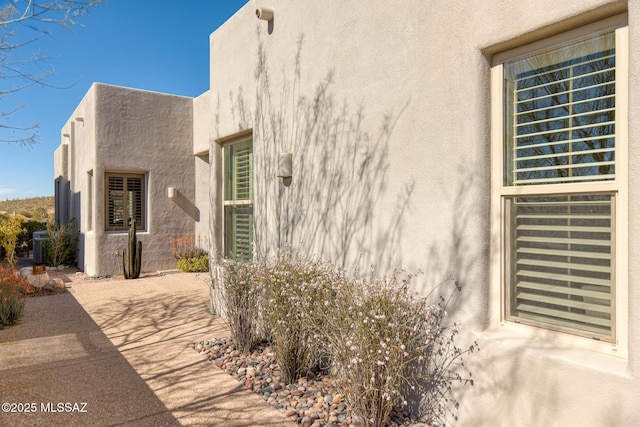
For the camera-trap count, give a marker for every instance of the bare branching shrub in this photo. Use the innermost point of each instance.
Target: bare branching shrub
(240, 295)
(292, 288)
(388, 345)
(377, 330)
(432, 376)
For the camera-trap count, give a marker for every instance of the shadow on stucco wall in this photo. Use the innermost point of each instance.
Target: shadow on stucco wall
(464, 255)
(505, 393)
(501, 373)
(187, 206)
(332, 206)
(339, 205)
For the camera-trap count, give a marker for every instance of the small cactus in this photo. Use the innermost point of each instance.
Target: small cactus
(132, 256)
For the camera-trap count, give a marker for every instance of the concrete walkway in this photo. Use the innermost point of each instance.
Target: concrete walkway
(118, 353)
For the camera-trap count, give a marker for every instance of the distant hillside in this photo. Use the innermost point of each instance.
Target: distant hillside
(28, 207)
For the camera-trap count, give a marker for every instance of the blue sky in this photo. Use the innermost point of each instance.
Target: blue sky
(154, 45)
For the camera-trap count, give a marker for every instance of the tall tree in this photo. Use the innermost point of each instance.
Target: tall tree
(22, 23)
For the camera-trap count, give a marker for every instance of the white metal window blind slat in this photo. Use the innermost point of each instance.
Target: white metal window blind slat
(564, 105)
(561, 269)
(550, 156)
(563, 115)
(523, 100)
(564, 253)
(556, 69)
(566, 117)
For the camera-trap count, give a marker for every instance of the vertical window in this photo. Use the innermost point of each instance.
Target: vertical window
(560, 185)
(125, 195)
(90, 200)
(238, 199)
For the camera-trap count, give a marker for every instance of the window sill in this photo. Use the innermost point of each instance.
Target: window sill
(520, 339)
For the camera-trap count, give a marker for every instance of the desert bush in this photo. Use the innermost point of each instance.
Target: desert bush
(40, 214)
(387, 344)
(377, 330)
(187, 246)
(194, 265)
(188, 252)
(10, 229)
(13, 288)
(240, 297)
(292, 290)
(60, 246)
(439, 367)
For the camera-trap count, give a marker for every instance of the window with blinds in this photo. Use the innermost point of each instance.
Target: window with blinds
(561, 114)
(562, 265)
(125, 197)
(559, 227)
(238, 200)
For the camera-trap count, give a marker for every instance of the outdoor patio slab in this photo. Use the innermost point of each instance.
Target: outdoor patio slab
(124, 348)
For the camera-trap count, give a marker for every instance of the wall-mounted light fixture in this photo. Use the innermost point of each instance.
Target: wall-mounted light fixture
(264, 14)
(285, 165)
(79, 119)
(172, 192)
(66, 135)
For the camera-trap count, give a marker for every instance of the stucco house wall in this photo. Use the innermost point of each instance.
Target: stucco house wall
(201, 135)
(117, 129)
(387, 112)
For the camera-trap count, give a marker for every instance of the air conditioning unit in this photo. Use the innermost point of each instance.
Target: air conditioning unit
(39, 237)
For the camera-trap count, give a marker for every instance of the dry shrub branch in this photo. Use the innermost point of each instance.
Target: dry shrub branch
(386, 344)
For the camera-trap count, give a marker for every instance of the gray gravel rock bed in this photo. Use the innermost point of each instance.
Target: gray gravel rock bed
(313, 401)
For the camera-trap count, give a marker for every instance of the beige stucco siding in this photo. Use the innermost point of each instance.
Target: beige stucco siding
(129, 130)
(202, 123)
(387, 112)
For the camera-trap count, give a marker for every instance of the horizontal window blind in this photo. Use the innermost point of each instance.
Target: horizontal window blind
(238, 200)
(239, 231)
(135, 207)
(243, 174)
(125, 201)
(115, 201)
(561, 105)
(561, 264)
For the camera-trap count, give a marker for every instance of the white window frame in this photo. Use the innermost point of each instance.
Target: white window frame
(225, 144)
(143, 200)
(618, 186)
(89, 200)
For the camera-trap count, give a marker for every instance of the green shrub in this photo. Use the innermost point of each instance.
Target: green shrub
(188, 252)
(10, 229)
(187, 246)
(194, 265)
(60, 246)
